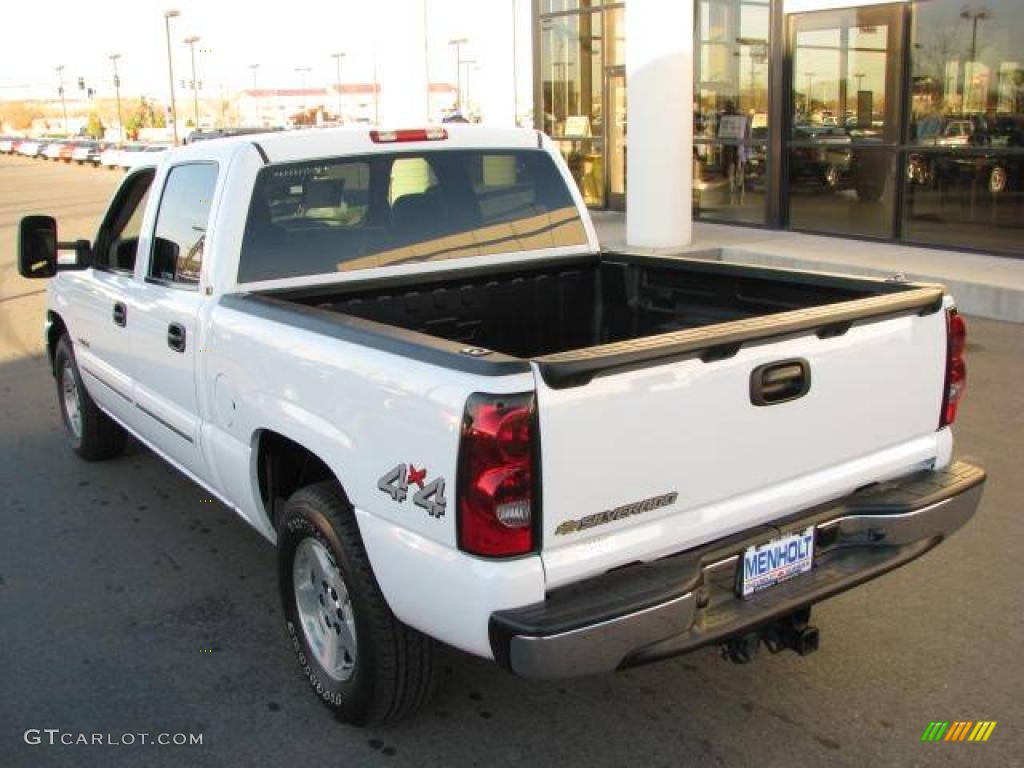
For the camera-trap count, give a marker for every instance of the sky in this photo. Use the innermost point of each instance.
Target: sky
(280, 37)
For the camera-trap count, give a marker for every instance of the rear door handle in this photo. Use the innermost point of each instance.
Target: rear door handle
(780, 382)
(120, 314)
(176, 337)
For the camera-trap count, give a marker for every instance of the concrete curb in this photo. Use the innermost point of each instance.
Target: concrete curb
(994, 302)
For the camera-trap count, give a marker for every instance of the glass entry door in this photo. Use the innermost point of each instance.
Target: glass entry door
(844, 80)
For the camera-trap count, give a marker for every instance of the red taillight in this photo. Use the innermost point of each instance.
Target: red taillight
(408, 134)
(496, 476)
(956, 368)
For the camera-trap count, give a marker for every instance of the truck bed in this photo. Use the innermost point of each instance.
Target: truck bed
(581, 315)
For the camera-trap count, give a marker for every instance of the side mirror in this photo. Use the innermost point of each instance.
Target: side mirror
(38, 247)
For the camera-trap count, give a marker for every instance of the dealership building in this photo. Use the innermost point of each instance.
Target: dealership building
(892, 121)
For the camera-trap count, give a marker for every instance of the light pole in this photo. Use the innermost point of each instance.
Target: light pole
(458, 42)
(515, 75)
(974, 17)
(168, 15)
(469, 66)
(376, 91)
(426, 57)
(63, 102)
(810, 81)
(337, 72)
(254, 67)
(303, 71)
(191, 41)
(117, 90)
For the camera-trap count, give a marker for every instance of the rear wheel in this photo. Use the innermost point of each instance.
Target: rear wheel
(363, 663)
(92, 434)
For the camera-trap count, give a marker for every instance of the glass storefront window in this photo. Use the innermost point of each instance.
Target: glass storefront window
(845, 126)
(572, 78)
(559, 6)
(731, 109)
(964, 171)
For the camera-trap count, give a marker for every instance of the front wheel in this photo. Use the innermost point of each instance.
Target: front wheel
(363, 663)
(92, 434)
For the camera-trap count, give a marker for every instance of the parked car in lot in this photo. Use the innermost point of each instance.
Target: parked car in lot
(131, 155)
(52, 150)
(111, 157)
(67, 150)
(403, 357)
(145, 155)
(30, 148)
(7, 144)
(84, 151)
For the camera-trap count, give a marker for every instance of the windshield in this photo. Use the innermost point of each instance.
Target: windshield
(342, 214)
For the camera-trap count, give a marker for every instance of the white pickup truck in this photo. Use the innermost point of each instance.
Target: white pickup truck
(403, 357)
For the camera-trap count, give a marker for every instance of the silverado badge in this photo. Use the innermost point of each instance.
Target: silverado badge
(618, 513)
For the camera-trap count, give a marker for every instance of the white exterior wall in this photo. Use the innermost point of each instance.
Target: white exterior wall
(659, 74)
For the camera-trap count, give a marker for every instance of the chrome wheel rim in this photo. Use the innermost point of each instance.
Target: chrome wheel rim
(997, 181)
(72, 400)
(324, 609)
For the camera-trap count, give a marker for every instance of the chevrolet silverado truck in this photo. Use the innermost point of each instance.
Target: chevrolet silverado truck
(403, 357)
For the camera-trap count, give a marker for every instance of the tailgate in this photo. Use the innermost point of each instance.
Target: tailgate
(649, 459)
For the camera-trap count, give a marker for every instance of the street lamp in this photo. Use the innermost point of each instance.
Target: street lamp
(974, 17)
(63, 103)
(303, 71)
(254, 67)
(191, 41)
(168, 15)
(117, 89)
(337, 71)
(469, 67)
(810, 81)
(515, 75)
(458, 42)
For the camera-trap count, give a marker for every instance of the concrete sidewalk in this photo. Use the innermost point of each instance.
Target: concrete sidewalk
(984, 286)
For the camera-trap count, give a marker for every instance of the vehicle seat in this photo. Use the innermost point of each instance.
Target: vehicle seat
(418, 216)
(323, 198)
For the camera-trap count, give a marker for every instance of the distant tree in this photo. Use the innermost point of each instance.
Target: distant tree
(19, 114)
(95, 127)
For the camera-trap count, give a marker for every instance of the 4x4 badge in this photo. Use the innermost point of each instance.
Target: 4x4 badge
(430, 496)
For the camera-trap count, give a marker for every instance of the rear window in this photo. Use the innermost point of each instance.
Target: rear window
(345, 214)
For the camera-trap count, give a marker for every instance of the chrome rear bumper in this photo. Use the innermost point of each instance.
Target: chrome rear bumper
(686, 601)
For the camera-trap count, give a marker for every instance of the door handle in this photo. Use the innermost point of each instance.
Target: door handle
(780, 382)
(120, 314)
(176, 337)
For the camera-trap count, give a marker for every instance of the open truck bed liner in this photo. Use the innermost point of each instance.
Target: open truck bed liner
(582, 316)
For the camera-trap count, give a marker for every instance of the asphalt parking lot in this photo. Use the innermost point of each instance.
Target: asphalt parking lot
(130, 603)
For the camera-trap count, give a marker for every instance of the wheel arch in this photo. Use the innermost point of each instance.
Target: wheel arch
(283, 465)
(55, 328)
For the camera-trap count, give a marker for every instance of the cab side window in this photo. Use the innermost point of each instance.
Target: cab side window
(118, 241)
(181, 223)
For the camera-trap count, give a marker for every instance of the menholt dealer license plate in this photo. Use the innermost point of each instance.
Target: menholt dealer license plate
(765, 565)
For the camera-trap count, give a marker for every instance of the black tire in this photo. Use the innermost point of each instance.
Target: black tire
(394, 668)
(99, 437)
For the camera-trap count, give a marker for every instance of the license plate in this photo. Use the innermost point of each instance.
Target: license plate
(765, 565)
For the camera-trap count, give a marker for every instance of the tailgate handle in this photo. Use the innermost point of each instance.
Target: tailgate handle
(780, 382)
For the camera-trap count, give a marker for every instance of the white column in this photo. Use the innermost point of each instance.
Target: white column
(659, 164)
